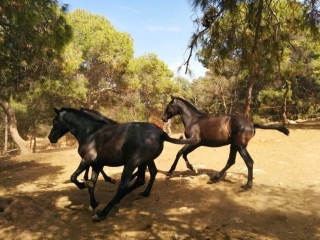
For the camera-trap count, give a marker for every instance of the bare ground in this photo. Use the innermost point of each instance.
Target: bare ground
(38, 201)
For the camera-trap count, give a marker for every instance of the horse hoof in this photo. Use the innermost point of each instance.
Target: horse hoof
(96, 218)
(143, 194)
(96, 210)
(190, 167)
(169, 174)
(246, 187)
(213, 180)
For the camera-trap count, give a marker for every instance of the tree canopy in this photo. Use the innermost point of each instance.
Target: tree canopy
(263, 59)
(32, 37)
(104, 54)
(251, 34)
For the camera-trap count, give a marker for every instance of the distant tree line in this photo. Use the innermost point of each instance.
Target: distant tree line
(262, 59)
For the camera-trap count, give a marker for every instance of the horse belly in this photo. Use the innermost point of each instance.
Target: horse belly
(110, 160)
(214, 143)
(215, 138)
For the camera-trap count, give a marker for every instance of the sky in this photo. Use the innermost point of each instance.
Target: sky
(160, 27)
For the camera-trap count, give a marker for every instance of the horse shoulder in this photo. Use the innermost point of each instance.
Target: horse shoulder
(88, 151)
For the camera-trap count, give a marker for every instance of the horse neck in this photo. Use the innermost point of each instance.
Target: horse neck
(186, 113)
(80, 128)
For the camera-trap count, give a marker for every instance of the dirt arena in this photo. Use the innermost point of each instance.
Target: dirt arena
(38, 201)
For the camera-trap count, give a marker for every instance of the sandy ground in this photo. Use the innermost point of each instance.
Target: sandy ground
(38, 201)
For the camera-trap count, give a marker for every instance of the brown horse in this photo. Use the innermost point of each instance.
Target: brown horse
(215, 132)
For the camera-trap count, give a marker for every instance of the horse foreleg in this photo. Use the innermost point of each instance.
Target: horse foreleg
(231, 161)
(249, 162)
(121, 192)
(94, 176)
(86, 174)
(189, 149)
(83, 166)
(134, 175)
(174, 165)
(107, 178)
(184, 152)
(153, 172)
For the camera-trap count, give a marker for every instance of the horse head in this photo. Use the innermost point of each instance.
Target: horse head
(58, 127)
(171, 110)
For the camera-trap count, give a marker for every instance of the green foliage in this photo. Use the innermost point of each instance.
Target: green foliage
(182, 87)
(271, 97)
(33, 35)
(100, 54)
(152, 79)
(254, 41)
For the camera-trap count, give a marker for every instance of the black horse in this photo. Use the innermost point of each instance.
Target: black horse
(130, 145)
(100, 118)
(215, 132)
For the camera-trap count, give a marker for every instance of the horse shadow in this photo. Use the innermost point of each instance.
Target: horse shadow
(207, 174)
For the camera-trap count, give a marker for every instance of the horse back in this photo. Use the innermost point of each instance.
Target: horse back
(219, 131)
(121, 143)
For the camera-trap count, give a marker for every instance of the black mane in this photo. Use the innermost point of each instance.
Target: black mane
(189, 105)
(83, 115)
(98, 116)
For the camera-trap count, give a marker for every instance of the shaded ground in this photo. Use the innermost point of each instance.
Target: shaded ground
(37, 200)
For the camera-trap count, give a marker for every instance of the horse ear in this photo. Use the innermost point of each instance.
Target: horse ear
(56, 110)
(172, 97)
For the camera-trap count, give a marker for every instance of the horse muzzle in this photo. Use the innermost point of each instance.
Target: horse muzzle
(164, 118)
(52, 139)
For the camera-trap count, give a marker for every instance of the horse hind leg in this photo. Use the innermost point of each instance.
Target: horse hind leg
(153, 172)
(249, 163)
(230, 162)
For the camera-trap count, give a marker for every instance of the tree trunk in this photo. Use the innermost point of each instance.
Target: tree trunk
(246, 113)
(285, 96)
(34, 148)
(5, 147)
(12, 124)
(225, 109)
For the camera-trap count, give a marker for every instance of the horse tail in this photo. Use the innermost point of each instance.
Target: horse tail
(179, 141)
(282, 129)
